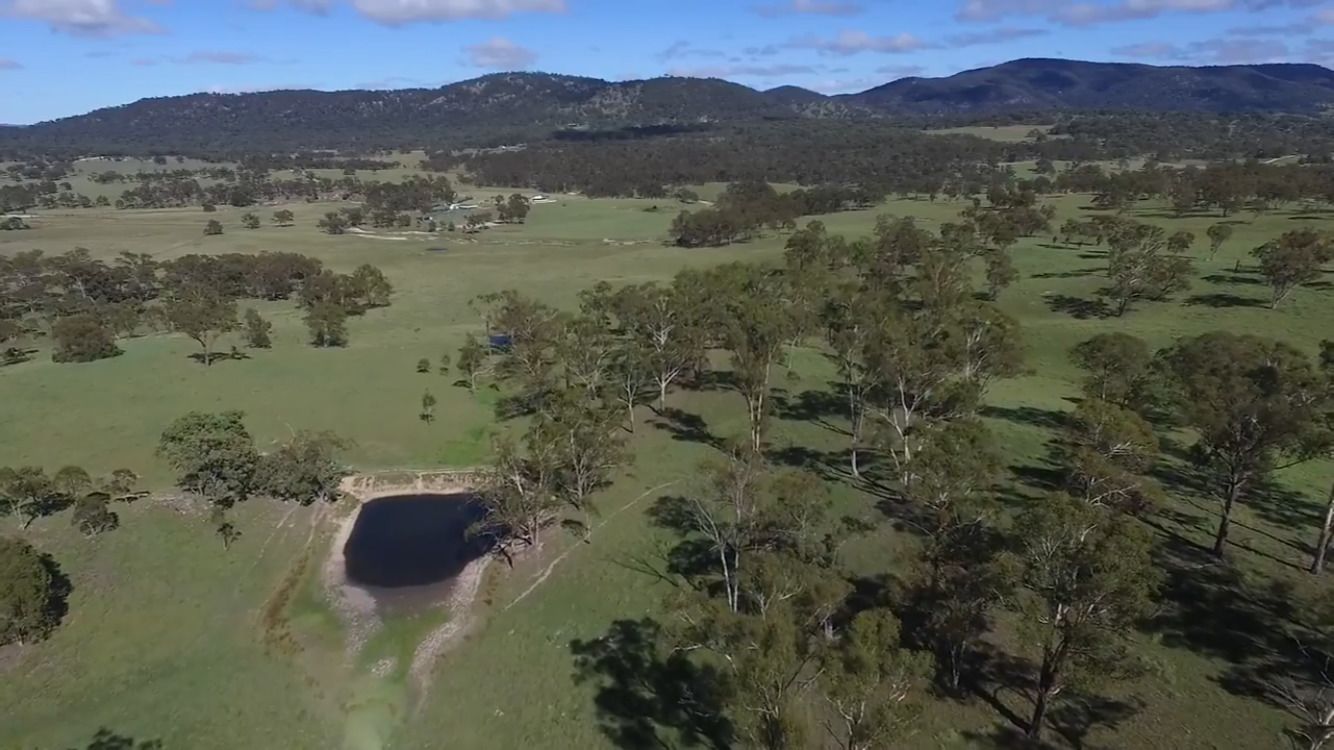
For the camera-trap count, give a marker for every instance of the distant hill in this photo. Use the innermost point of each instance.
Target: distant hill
(1045, 84)
(510, 107)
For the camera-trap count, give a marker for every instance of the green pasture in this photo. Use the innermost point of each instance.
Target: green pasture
(169, 637)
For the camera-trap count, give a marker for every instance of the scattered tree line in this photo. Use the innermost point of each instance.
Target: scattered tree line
(84, 305)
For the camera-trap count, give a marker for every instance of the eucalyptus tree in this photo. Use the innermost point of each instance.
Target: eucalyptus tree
(1087, 578)
(1256, 406)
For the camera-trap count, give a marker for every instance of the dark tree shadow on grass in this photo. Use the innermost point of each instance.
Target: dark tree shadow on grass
(16, 356)
(828, 465)
(814, 406)
(687, 427)
(692, 558)
(1272, 503)
(1075, 274)
(57, 603)
(1209, 607)
(648, 697)
(1078, 307)
(1232, 278)
(1005, 683)
(1222, 300)
(215, 357)
(105, 739)
(1049, 419)
(709, 380)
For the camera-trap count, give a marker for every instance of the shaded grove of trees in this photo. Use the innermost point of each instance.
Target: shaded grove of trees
(767, 633)
(746, 207)
(85, 305)
(215, 458)
(775, 643)
(28, 493)
(874, 156)
(33, 589)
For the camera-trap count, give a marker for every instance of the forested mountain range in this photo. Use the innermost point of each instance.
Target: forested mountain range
(509, 107)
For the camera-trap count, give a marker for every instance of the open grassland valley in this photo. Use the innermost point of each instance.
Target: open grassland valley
(792, 423)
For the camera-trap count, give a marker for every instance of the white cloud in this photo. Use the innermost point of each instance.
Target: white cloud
(855, 42)
(810, 7)
(1087, 14)
(992, 10)
(900, 71)
(743, 71)
(399, 12)
(682, 49)
(499, 53)
(1150, 51)
(1091, 12)
(311, 6)
(1210, 51)
(221, 57)
(79, 17)
(994, 36)
(255, 88)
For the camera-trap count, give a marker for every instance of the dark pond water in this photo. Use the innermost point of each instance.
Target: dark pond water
(408, 549)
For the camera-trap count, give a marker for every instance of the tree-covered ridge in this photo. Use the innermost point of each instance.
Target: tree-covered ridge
(514, 107)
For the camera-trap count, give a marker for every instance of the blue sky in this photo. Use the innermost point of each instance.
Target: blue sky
(64, 57)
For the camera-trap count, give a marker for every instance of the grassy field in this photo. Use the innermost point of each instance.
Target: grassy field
(170, 637)
(1002, 133)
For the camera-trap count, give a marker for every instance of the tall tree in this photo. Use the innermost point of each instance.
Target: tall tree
(1087, 577)
(582, 437)
(28, 494)
(202, 313)
(370, 286)
(1326, 528)
(1001, 272)
(850, 319)
(305, 469)
(327, 322)
(257, 330)
(213, 454)
(869, 683)
(666, 329)
(1255, 405)
(518, 497)
(1294, 259)
(756, 329)
(1109, 451)
(1180, 242)
(1140, 267)
(472, 361)
(82, 338)
(1218, 235)
(29, 594)
(1118, 367)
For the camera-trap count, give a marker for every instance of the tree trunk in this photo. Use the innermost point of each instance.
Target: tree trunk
(1046, 683)
(1224, 523)
(755, 406)
(1322, 546)
(858, 418)
(662, 395)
